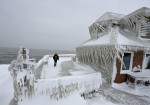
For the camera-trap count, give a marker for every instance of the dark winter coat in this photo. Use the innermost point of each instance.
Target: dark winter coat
(56, 57)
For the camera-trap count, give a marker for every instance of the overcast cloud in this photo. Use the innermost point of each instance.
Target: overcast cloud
(55, 24)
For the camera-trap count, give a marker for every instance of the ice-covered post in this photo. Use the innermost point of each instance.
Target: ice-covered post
(21, 71)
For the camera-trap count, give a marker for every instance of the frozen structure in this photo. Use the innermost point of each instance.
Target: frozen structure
(57, 88)
(22, 71)
(118, 44)
(40, 65)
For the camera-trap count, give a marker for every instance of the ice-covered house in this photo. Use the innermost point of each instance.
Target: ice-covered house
(119, 44)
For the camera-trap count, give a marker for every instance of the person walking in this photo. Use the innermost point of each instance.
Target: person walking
(55, 58)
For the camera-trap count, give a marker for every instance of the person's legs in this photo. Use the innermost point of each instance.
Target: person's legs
(55, 63)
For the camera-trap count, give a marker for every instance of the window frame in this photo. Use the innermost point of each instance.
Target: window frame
(143, 68)
(131, 62)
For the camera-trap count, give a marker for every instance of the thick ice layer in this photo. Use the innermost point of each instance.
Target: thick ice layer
(21, 71)
(63, 86)
(39, 66)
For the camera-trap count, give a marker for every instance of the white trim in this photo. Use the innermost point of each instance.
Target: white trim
(131, 63)
(114, 71)
(143, 61)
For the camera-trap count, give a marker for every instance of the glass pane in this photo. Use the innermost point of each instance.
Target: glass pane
(126, 60)
(147, 61)
(147, 55)
(148, 65)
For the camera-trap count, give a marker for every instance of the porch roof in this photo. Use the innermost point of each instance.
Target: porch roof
(120, 37)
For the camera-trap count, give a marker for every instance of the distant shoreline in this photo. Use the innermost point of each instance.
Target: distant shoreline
(9, 54)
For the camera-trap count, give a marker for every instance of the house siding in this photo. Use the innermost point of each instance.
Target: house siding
(119, 77)
(137, 60)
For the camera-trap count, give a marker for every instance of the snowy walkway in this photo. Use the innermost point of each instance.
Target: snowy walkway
(121, 97)
(49, 71)
(65, 67)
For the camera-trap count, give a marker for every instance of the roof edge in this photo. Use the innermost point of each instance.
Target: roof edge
(143, 9)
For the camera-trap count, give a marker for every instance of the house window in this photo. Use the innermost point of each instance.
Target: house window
(147, 61)
(25, 66)
(127, 61)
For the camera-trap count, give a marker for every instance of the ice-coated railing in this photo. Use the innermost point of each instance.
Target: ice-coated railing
(62, 87)
(39, 66)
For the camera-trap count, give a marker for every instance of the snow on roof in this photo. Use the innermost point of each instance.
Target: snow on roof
(113, 35)
(141, 10)
(117, 36)
(106, 18)
(110, 16)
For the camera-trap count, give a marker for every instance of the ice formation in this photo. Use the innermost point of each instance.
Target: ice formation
(58, 88)
(39, 66)
(22, 71)
(113, 34)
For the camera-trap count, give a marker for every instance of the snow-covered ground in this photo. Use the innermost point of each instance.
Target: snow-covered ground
(141, 89)
(6, 85)
(49, 72)
(67, 72)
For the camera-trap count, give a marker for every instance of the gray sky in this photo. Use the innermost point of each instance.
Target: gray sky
(55, 24)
